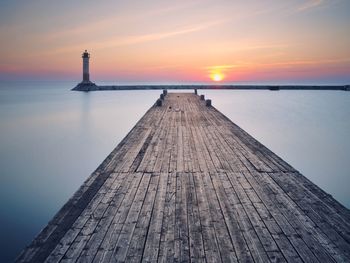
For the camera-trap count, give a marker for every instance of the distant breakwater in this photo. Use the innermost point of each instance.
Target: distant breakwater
(89, 87)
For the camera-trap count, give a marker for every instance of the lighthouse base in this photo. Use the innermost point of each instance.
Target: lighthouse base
(86, 86)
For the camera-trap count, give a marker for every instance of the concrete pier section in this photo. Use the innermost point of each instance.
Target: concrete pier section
(83, 87)
(188, 185)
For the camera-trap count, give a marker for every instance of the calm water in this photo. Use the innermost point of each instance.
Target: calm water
(51, 139)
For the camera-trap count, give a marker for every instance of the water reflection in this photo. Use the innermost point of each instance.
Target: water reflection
(85, 113)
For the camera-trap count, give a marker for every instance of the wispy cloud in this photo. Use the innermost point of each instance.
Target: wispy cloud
(262, 47)
(310, 4)
(120, 41)
(110, 22)
(296, 63)
(284, 64)
(309, 62)
(221, 67)
(128, 40)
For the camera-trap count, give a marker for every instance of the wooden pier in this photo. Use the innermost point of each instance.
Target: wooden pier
(188, 185)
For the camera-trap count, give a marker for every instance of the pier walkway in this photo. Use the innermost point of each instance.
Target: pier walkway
(187, 184)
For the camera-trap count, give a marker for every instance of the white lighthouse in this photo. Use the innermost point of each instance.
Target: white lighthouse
(86, 75)
(86, 84)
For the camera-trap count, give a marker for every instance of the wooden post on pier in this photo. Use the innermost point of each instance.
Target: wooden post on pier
(195, 91)
(187, 184)
(208, 103)
(202, 97)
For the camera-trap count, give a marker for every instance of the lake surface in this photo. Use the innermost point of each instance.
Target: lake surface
(51, 139)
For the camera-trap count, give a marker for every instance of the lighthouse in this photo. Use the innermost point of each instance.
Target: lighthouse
(86, 75)
(86, 84)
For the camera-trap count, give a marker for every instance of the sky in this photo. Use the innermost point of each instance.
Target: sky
(183, 41)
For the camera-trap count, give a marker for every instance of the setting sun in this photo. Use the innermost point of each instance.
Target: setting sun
(217, 76)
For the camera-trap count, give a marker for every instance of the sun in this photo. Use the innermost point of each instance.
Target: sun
(217, 76)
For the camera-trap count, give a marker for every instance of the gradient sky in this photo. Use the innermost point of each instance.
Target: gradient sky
(252, 41)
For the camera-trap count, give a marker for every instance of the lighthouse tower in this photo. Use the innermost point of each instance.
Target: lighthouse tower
(86, 84)
(86, 75)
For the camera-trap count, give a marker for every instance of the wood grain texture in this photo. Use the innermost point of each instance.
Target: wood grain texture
(188, 185)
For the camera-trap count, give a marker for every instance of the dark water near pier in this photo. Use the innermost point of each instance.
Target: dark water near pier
(51, 139)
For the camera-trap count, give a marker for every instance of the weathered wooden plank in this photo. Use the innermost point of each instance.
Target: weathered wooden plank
(296, 232)
(181, 251)
(180, 162)
(210, 242)
(155, 149)
(309, 205)
(169, 142)
(226, 249)
(218, 120)
(227, 157)
(91, 248)
(107, 246)
(167, 240)
(133, 253)
(199, 151)
(127, 227)
(204, 151)
(194, 223)
(150, 152)
(225, 191)
(174, 146)
(248, 197)
(325, 197)
(151, 248)
(164, 142)
(256, 247)
(193, 158)
(251, 145)
(82, 221)
(87, 223)
(319, 243)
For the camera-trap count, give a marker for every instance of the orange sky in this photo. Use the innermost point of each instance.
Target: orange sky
(296, 41)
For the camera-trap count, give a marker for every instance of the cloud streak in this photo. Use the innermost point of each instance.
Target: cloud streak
(139, 39)
(109, 23)
(129, 40)
(249, 65)
(310, 4)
